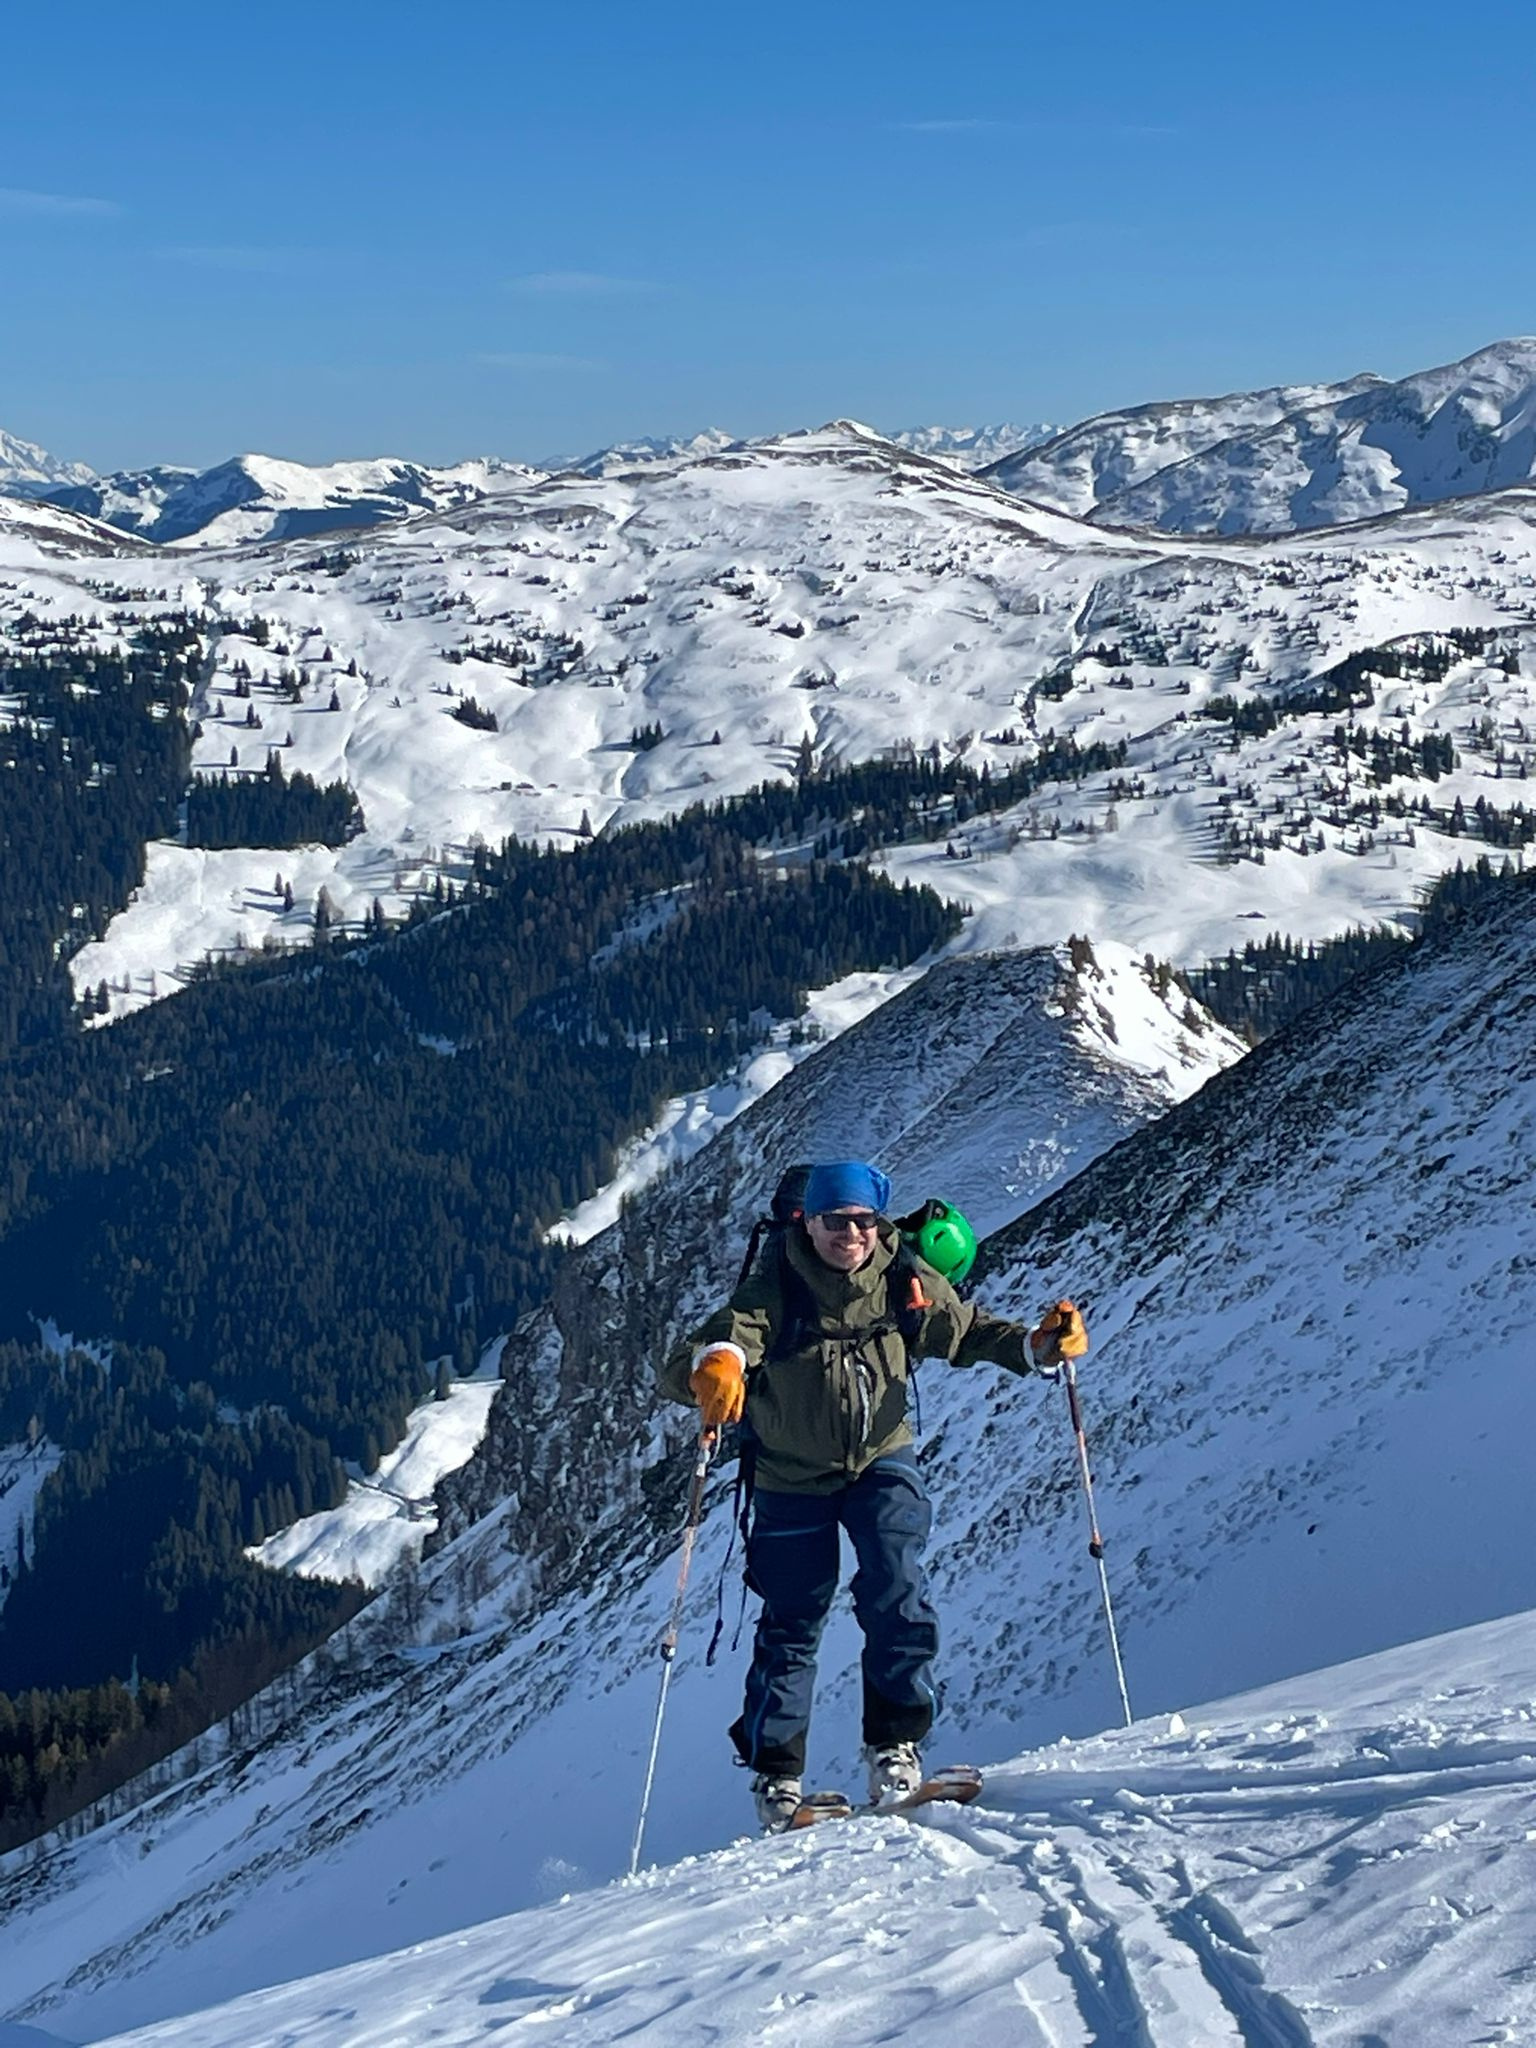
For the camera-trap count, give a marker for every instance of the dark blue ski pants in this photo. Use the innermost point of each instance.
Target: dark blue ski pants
(792, 1561)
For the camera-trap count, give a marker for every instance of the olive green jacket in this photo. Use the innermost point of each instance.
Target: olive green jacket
(839, 1400)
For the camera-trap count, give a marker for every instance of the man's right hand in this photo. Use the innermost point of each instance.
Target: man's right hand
(719, 1384)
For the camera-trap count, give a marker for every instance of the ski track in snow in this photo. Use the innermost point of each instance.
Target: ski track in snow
(1343, 1861)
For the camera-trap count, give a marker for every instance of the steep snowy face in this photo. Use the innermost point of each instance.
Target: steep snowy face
(1310, 1289)
(1445, 433)
(34, 533)
(26, 470)
(257, 497)
(1081, 467)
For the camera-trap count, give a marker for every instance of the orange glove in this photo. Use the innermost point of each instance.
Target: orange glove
(1061, 1334)
(719, 1384)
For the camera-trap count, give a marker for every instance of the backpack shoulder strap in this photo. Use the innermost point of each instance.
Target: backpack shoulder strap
(799, 1306)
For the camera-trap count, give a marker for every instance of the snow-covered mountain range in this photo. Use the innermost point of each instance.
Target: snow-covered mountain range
(1286, 460)
(832, 592)
(1310, 1288)
(254, 498)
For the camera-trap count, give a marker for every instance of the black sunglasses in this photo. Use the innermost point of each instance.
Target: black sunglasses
(834, 1219)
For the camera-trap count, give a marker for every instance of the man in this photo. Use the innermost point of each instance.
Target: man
(814, 1354)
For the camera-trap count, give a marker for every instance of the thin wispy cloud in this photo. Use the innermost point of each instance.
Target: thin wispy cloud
(55, 205)
(533, 359)
(965, 127)
(578, 284)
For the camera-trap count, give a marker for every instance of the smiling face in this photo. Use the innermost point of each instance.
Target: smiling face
(843, 1238)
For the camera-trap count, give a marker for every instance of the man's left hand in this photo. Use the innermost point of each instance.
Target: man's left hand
(1061, 1335)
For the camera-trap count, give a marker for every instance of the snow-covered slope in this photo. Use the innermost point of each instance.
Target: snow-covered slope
(389, 1513)
(831, 589)
(27, 470)
(1311, 1289)
(1341, 1859)
(258, 497)
(1082, 466)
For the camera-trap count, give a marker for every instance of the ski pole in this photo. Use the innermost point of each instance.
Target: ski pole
(1095, 1540)
(707, 1441)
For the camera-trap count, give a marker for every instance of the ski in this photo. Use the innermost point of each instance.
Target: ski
(818, 1806)
(955, 1785)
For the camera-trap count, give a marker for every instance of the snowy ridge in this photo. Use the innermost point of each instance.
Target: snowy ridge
(621, 456)
(974, 448)
(1180, 1884)
(35, 533)
(1445, 433)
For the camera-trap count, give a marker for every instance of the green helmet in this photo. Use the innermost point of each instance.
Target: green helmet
(943, 1239)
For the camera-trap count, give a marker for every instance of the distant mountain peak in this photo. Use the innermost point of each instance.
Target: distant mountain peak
(26, 470)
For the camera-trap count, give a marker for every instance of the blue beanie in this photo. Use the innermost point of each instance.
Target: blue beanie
(846, 1184)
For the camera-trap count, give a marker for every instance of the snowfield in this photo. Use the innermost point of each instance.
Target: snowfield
(1344, 1859)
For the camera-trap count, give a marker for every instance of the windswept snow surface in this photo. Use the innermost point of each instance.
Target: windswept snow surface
(1345, 1860)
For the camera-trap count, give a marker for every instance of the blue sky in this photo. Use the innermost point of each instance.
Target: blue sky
(332, 228)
